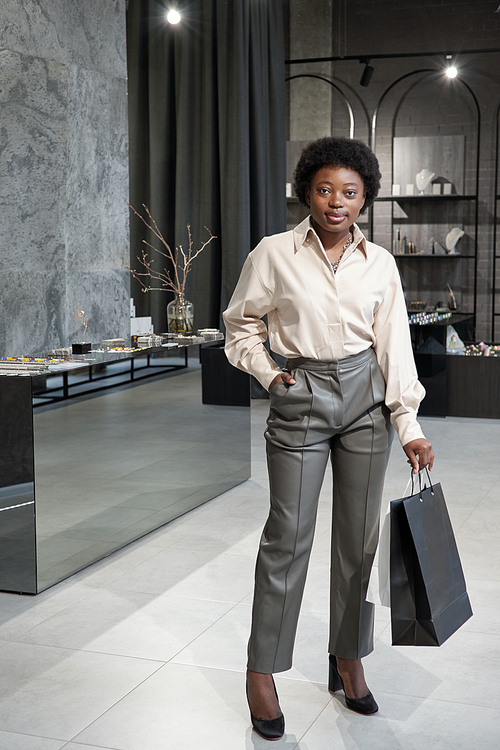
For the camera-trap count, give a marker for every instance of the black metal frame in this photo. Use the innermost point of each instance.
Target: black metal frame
(394, 56)
(127, 376)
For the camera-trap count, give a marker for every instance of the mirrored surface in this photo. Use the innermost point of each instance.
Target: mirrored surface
(115, 466)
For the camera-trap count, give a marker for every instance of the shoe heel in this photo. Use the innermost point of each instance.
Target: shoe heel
(334, 679)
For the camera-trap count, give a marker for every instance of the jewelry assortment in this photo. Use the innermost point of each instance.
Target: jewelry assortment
(335, 264)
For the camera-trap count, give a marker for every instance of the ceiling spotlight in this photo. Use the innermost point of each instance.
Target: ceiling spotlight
(451, 72)
(367, 73)
(173, 16)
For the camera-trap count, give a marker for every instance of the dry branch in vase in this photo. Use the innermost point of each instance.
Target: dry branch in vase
(181, 260)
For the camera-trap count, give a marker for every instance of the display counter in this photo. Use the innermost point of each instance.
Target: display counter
(82, 478)
(459, 386)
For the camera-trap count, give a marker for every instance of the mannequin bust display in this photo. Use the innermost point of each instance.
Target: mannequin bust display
(423, 179)
(454, 235)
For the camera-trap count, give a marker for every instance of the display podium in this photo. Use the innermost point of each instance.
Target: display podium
(83, 478)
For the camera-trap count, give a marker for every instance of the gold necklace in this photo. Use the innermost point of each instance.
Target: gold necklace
(335, 264)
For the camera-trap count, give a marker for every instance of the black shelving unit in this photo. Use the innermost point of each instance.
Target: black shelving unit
(495, 313)
(422, 272)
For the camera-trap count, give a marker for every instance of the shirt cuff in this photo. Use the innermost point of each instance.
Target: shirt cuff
(407, 428)
(269, 377)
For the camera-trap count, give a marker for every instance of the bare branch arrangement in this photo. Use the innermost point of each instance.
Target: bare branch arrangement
(79, 316)
(181, 259)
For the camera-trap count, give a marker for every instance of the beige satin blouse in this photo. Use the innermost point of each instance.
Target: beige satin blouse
(313, 312)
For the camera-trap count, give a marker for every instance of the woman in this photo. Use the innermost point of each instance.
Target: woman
(336, 310)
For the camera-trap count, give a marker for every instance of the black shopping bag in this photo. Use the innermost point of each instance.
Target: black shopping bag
(429, 600)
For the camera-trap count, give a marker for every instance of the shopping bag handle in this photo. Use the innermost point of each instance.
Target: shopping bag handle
(420, 487)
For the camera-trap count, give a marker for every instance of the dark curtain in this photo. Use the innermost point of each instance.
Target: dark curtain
(207, 138)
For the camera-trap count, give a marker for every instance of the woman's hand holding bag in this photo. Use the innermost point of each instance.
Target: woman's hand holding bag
(420, 454)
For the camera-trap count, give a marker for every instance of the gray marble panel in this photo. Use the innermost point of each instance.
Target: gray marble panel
(104, 295)
(34, 27)
(64, 171)
(32, 306)
(97, 181)
(97, 37)
(32, 162)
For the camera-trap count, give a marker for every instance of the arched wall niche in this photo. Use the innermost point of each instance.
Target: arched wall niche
(425, 121)
(318, 107)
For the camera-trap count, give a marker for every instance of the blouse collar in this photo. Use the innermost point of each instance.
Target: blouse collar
(305, 232)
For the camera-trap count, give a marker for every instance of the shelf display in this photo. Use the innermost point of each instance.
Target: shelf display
(495, 307)
(434, 224)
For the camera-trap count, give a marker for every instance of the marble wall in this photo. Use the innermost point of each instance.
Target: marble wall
(63, 172)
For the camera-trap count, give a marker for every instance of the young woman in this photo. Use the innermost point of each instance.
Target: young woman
(336, 310)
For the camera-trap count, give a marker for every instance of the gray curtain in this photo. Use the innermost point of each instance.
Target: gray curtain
(207, 137)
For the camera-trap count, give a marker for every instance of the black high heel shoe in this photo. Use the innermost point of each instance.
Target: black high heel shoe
(366, 705)
(268, 729)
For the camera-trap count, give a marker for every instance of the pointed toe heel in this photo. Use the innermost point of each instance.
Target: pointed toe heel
(366, 705)
(268, 729)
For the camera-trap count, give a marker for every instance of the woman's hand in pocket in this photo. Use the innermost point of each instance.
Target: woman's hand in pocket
(284, 377)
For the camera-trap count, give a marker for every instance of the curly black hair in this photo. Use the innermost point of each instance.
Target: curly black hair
(338, 151)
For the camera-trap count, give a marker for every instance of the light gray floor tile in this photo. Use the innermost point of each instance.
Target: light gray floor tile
(21, 613)
(223, 645)
(485, 599)
(480, 557)
(404, 723)
(54, 692)
(146, 626)
(80, 746)
(118, 563)
(224, 533)
(187, 707)
(12, 741)
(193, 574)
(465, 669)
(484, 521)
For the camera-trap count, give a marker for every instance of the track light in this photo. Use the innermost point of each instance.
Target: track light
(173, 16)
(451, 71)
(367, 73)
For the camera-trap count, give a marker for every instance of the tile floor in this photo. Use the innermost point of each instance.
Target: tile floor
(146, 650)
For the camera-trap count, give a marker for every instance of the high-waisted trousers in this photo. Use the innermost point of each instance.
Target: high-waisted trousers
(336, 409)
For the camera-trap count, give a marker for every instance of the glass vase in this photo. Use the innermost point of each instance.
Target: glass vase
(180, 314)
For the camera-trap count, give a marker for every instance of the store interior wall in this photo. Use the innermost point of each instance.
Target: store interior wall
(64, 156)
(323, 28)
(64, 227)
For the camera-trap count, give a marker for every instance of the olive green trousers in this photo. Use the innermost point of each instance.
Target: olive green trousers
(335, 410)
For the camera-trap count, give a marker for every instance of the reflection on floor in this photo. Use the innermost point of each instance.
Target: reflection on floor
(146, 649)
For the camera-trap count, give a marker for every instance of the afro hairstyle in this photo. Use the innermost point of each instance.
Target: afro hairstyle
(338, 151)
